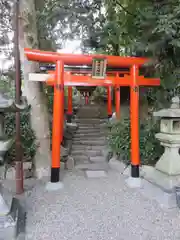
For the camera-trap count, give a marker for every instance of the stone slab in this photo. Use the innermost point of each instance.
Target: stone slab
(96, 174)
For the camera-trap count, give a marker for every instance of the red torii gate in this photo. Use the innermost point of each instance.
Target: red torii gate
(59, 78)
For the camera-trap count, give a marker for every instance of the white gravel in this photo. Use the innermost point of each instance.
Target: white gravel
(97, 209)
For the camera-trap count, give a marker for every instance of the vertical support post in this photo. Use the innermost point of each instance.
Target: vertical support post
(84, 95)
(86, 98)
(117, 98)
(58, 119)
(109, 103)
(70, 108)
(134, 115)
(18, 145)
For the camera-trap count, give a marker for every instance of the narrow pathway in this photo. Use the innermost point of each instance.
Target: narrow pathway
(89, 143)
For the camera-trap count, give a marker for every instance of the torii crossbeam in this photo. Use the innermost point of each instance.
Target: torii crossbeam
(106, 71)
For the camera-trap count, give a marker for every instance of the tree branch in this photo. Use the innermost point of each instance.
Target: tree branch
(125, 9)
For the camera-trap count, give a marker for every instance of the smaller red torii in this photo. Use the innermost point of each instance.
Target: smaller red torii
(59, 78)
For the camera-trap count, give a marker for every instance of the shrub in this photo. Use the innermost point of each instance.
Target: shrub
(119, 141)
(100, 94)
(27, 135)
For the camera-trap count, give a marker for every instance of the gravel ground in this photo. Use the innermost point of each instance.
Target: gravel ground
(97, 209)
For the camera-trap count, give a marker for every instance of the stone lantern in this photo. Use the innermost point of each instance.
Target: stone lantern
(8, 223)
(166, 173)
(169, 137)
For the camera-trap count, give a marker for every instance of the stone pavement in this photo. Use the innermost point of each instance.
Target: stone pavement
(97, 209)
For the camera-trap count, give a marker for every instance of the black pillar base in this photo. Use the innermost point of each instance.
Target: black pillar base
(135, 171)
(55, 172)
(69, 117)
(109, 116)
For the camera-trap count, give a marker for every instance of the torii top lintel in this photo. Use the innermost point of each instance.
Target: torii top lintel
(82, 59)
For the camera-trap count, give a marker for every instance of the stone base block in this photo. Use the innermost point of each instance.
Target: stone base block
(160, 179)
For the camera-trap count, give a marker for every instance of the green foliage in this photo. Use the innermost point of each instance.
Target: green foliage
(27, 136)
(100, 93)
(119, 141)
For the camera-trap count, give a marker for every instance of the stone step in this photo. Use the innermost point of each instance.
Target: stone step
(90, 142)
(87, 137)
(88, 153)
(90, 134)
(93, 166)
(89, 121)
(97, 159)
(91, 130)
(84, 148)
(81, 159)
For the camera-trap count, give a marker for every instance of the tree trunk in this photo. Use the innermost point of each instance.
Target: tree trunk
(33, 90)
